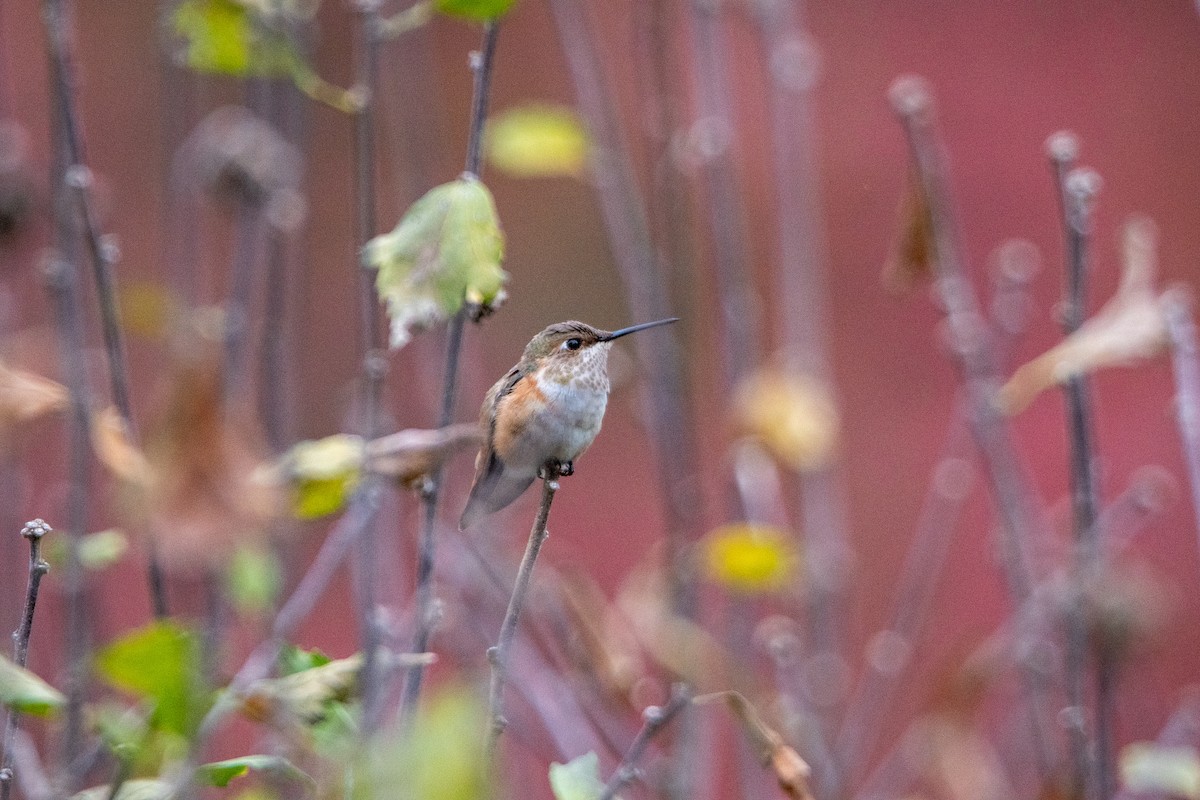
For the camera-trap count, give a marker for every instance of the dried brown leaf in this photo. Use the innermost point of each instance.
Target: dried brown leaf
(25, 397)
(913, 258)
(792, 771)
(1130, 328)
(410, 455)
(114, 448)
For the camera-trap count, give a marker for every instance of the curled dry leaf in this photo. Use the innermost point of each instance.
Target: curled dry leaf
(1129, 328)
(912, 261)
(115, 449)
(410, 455)
(792, 771)
(25, 397)
(792, 413)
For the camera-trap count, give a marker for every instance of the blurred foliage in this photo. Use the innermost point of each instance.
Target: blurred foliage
(481, 10)
(537, 141)
(792, 413)
(323, 474)
(1159, 769)
(443, 763)
(98, 550)
(23, 691)
(159, 663)
(447, 250)
(578, 779)
(253, 579)
(751, 559)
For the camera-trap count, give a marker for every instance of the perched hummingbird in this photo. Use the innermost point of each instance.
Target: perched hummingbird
(545, 411)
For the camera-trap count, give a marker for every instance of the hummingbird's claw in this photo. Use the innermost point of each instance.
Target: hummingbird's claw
(566, 468)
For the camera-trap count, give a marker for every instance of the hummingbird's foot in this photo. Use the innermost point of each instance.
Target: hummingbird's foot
(556, 469)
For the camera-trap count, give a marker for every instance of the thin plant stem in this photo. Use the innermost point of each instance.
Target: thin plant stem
(426, 602)
(76, 180)
(499, 655)
(1076, 191)
(33, 531)
(60, 279)
(971, 340)
(374, 364)
(249, 225)
(1185, 361)
(739, 307)
(654, 719)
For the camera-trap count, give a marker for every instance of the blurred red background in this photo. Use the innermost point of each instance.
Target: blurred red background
(1125, 76)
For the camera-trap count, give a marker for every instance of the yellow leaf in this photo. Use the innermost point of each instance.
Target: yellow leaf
(750, 558)
(537, 141)
(116, 451)
(323, 473)
(25, 396)
(793, 414)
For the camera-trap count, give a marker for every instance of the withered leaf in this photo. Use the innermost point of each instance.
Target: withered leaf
(409, 455)
(25, 397)
(913, 258)
(1130, 328)
(792, 771)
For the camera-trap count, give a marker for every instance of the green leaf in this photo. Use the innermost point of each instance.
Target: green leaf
(224, 37)
(323, 474)
(1161, 770)
(441, 763)
(447, 250)
(23, 691)
(97, 551)
(159, 662)
(482, 10)
(220, 773)
(293, 659)
(253, 579)
(578, 779)
(141, 789)
(537, 141)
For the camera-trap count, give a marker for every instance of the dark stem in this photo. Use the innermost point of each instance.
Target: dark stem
(76, 180)
(33, 531)
(426, 601)
(481, 65)
(374, 364)
(971, 340)
(654, 719)
(498, 655)
(249, 224)
(274, 347)
(1076, 191)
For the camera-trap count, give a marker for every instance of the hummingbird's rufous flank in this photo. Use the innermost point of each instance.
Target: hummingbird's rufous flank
(545, 411)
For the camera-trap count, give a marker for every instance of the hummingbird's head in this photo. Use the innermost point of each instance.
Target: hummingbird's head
(568, 341)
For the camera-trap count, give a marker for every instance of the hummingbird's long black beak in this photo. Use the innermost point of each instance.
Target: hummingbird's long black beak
(635, 328)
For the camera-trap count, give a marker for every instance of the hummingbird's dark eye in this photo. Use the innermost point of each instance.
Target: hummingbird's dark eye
(574, 344)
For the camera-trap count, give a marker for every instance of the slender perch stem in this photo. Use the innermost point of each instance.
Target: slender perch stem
(654, 719)
(481, 64)
(499, 654)
(76, 179)
(33, 531)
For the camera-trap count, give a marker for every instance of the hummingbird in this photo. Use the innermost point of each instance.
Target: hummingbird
(544, 412)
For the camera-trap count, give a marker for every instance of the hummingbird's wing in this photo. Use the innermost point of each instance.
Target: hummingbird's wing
(494, 487)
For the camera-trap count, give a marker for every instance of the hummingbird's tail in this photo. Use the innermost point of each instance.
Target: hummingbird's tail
(494, 489)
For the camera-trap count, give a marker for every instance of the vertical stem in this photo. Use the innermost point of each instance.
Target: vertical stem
(374, 365)
(76, 179)
(33, 531)
(61, 279)
(971, 339)
(1185, 361)
(1076, 191)
(499, 655)
(482, 65)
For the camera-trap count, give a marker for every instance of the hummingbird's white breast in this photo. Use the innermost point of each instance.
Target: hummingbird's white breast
(576, 395)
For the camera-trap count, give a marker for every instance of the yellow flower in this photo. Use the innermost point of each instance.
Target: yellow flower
(751, 559)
